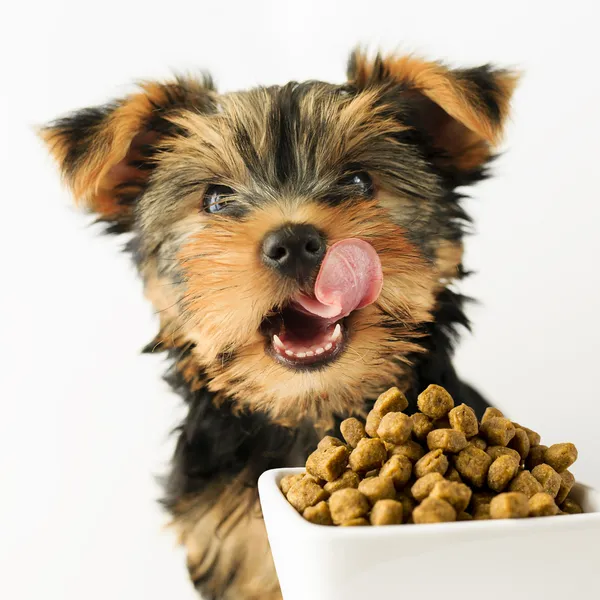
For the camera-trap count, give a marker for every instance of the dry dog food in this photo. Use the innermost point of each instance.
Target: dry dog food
(439, 465)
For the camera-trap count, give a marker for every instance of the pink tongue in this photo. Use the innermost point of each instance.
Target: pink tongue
(350, 277)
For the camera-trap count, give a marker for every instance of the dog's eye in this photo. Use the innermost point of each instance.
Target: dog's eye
(360, 181)
(216, 197)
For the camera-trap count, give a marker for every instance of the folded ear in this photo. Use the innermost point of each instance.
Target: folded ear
(462, 112)
(105, 152)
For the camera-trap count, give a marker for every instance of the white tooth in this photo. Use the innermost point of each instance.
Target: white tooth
(310, 353)
(277, 342)
(289, 353)
(329, 346)
(301, 355)
(319, 351)
(337, 333)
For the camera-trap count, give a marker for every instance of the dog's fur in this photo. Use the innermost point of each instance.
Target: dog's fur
(143, 163)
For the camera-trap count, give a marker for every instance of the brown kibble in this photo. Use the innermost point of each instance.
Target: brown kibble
(525, 483)
(391, 401)
(433, 462)
(360, 522)
(510, 505)
(534, 438)
(305, 493)
(347, 504)
(399, 468)
(536, 456)
(372, 423)
(422, 425)
(496, 451)
(501, 472)
(369, 454)
(571, 507)
(386, 512)
(395, 428)
(560, 456)
(288, 481)
(478, 442)
(423, 486)
(348, 479)
(464, 516)
(490, 413)
(410, 449)
(520, 443)
(498, 431)
(549, 479)
(463, 419)
(318, 514)
(353, 431)
(434, 510)
(443, 423)
(566, 484)
(456, 494)
(328, 463)
(453, 475)
(435, 402)
(448, 440)
(542, 505)
(482, 513)
(329, 442)
(481, 498)
(377, 488)
(473, 465)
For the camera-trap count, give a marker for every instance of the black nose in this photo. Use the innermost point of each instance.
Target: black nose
(295, 250)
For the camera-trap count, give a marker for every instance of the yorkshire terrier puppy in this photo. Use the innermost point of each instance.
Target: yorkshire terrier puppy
(299, 244)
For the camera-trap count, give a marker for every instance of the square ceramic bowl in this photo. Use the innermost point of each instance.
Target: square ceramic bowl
(547, 558)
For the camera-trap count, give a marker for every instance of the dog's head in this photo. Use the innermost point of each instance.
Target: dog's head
(295, 238)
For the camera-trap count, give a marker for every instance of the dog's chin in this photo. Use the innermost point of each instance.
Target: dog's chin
(303, 341)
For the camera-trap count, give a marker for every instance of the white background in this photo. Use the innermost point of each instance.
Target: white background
(84, 419)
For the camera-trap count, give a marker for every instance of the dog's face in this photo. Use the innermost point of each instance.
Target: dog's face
(296, 237)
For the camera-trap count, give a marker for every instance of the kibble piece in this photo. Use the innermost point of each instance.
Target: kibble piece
(464, 516)
(534, 438)
(347, 504)
(328, 463)
(348, 479)
(480, 498)
(395, 427)
(571, 507)
(478, 442)
(435, 402)
(496, 451)
(498, 431)
(509, 505)
(549, 479)
(566, 484)
(443, 423)
(408, 505)
(369, 454)
(525, 483)
(501, 472)
(482, 513)
(422, 425)
(372, 423)
(560, 456)
(520, 442)
(542, 505)
(433, 462)
(473, 464)
(453, 475)
(490, 413)
(386, 512)
(329, 442)
(305, 493)
(360, 522)
(288, 481)
(410, 449)
(423, 486)
(391, 401)
(434, 510)
(353, 431)
(318, 514)
(399, 468)
(536, 456)
(377, 488)
(456, 494)
(463, 418)
(448, 440)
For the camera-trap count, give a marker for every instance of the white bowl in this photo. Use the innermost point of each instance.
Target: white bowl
(547, 558)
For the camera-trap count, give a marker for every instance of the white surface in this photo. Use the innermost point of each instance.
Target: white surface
(446, 560)
(84, 420)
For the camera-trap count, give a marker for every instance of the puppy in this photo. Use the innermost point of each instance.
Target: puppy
(299, 244)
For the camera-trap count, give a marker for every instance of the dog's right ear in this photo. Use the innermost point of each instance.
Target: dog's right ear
(104, 153)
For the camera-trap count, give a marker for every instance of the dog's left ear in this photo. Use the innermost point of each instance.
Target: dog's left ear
(462, 112)
(105, 152)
